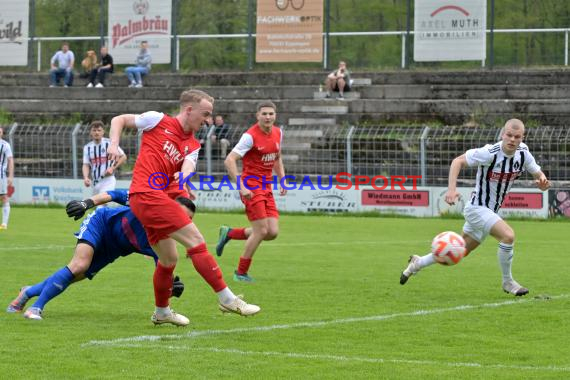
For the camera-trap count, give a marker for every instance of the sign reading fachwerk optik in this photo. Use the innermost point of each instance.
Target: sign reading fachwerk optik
(14, 33)
(133, 21)
(289, 31)
(450, 30)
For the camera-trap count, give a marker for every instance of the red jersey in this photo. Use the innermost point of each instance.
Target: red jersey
(259, 151)
(164, 148)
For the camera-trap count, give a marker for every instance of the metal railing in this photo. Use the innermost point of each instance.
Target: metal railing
(176, 39)
(56, 150)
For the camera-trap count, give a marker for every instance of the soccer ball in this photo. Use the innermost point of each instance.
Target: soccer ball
(448, 248)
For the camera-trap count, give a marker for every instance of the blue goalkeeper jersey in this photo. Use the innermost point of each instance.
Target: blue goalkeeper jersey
(115, 231)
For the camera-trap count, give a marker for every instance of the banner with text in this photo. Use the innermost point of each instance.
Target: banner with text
(14, 32)
(420, 202)
(450, 30)
(289, 31)
(133, 21)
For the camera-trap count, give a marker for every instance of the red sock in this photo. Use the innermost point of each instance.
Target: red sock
(206, 265)
(237, 234)
(243, 265)
(162, 281)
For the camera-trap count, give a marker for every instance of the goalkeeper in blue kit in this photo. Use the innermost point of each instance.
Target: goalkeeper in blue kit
(104, 236)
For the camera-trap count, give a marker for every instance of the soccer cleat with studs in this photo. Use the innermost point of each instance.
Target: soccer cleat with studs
(172, 318)
(514, 288)
(223, 239)
(34, 313)
(240, 307)
(412, 268)
(17, 305)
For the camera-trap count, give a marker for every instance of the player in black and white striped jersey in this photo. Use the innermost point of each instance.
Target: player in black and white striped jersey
(6, 178)
(98, 172)
(498, 165)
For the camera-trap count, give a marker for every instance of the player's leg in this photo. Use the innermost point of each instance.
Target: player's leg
(227, 233)
(58, 282)
(105, 184)
(471, 234)
(5, 206)
(506, 237)
(208, 268)
(259, 232)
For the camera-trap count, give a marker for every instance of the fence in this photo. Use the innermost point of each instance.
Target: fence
(182, 44)
(56, 150)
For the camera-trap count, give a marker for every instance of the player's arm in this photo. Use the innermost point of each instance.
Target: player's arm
(86, 170)
(279, 169)
(76, 209)
(10, 171)
(186, 172)
(118, 123)
(120, 161)
(541, 181)
(231, 166)
(457, 164)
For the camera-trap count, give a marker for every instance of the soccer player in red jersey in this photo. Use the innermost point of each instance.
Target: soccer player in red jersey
(169, 153)
(260, 151)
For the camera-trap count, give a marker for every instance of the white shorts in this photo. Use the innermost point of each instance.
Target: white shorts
(478, 221)
(3, 185)
(105, 184)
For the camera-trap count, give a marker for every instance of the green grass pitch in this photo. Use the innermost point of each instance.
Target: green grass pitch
(332, 307)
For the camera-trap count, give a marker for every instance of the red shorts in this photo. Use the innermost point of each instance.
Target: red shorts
(260, 206)
(159, 214)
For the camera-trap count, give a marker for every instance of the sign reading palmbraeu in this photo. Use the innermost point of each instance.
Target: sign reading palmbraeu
(289, 31)
(449, 30)
(133, 21)
(14, 32)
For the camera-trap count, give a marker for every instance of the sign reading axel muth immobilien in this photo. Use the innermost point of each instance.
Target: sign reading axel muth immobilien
(449, 30)
(289, 31)
(134, 21)
(14, 32)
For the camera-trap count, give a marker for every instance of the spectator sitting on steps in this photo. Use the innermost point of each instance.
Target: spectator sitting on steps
(143, 64)
(338, 81)
(65, 61)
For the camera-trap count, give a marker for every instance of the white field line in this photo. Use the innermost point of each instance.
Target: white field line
(354, 359)
(300, 244)
(36, 247)
(315, 324)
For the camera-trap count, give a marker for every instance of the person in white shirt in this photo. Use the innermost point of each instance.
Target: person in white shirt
(64, 69)
(6, 178)
(98, 172)
(498, 165)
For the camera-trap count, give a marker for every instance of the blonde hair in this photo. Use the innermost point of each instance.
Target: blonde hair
(194, 97)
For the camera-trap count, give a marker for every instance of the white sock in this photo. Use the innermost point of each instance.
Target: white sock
(5, 213)
(427, 260)
(163, 311)
(226, 296)
(505, 255)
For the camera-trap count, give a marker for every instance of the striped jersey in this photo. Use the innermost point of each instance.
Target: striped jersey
(497, 172)
(5, 154)
(95, 155)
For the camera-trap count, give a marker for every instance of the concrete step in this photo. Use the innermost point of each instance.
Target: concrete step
(351, 95)
(358, 82)
(160, 79)
(303, 133)
(336, 110)
(312, 121)
(290, 158)
(289, 145)
(409, 91)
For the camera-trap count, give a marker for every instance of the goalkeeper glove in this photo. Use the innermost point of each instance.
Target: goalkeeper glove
(177, 287)
(78, 208)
